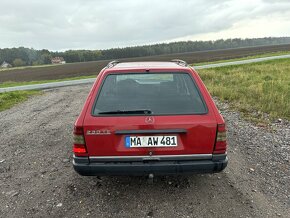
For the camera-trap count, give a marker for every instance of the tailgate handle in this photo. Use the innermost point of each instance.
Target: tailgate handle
(148, 131)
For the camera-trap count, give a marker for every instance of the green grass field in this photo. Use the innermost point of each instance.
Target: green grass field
(253, 89)
(9, 99)
(13, 84)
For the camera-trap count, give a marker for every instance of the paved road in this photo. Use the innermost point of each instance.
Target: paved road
(37, 178)
(254, 60)
(89, 81)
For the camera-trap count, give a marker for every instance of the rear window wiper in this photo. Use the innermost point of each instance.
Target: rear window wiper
(140, 111)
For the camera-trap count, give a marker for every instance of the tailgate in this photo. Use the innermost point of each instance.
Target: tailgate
(109, 136)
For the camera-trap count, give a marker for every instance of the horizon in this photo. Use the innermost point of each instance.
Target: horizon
(165, 43)
(74, 25)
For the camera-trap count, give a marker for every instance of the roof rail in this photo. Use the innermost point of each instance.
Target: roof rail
(180, 62)
(112, 63)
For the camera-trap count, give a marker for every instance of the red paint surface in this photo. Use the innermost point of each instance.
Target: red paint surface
(201, 129)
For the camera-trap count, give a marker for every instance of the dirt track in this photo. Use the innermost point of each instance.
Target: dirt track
(91, 68)
(37, 178)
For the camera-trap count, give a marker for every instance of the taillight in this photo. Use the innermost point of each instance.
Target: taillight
(221, 140)
(79, 147)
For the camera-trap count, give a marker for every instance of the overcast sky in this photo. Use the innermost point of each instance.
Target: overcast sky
(100, 24)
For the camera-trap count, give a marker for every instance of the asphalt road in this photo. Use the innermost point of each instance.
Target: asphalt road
(37, 178)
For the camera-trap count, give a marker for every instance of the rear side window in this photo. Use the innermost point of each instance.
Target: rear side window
(153, 93)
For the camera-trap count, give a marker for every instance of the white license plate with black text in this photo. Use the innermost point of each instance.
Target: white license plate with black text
(150, 141)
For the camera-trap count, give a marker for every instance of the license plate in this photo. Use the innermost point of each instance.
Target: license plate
(150, 141)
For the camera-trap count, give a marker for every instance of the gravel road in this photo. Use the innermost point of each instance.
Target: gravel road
(37, 178)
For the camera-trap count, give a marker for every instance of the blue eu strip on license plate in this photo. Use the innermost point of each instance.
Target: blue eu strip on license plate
(127, 141)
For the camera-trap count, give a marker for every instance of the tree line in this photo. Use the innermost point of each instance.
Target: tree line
(28, 56)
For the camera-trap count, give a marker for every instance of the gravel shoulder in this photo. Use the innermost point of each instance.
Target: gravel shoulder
(37, 178)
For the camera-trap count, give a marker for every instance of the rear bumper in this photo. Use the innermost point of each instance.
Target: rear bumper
(86, 167)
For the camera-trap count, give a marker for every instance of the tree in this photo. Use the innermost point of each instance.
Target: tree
(28, 56)
(45, 58)
(18, 62)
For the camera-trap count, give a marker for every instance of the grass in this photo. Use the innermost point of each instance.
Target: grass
(12, 84)
(254, 89)
(9, 99)
(245, 58)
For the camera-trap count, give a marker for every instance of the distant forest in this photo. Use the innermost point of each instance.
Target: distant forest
(28, 56)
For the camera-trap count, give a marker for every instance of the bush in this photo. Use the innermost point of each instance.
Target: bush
(18, 62)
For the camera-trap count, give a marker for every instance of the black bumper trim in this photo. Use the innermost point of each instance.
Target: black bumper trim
(142, 158)
(148, 167)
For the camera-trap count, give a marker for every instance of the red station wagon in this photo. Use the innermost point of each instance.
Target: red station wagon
(149, 118)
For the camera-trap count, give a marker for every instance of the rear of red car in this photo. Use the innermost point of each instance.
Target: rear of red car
(149, 118)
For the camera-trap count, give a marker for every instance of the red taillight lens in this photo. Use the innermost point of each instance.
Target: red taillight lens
(221, 140)
(79, 147)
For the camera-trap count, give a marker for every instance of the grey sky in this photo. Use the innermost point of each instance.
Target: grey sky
(99, 24)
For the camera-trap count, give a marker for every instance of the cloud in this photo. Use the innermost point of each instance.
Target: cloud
(90, 24)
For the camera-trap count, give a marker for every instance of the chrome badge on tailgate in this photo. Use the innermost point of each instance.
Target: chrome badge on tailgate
(99, 132)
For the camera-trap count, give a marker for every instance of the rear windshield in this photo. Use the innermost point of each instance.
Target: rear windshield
(149, 93)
